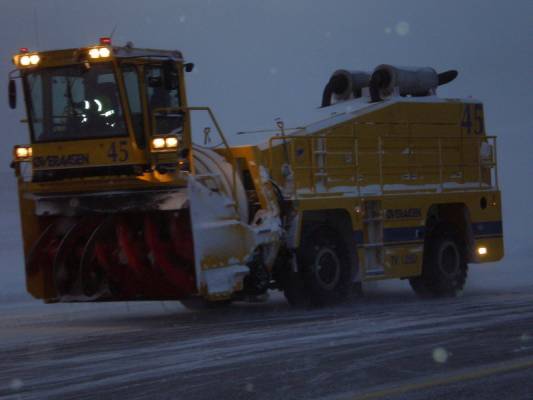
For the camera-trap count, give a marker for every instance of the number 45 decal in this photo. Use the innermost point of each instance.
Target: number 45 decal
(472, 120)
(118, 151)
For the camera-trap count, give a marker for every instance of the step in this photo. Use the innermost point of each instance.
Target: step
(375, 270)
(374, 219)
(372, 245)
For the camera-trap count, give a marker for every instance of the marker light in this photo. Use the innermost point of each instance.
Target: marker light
(105, 41)
(24, 50)
(23, 153)
(482, 251)
(171, 142)
(158, 143)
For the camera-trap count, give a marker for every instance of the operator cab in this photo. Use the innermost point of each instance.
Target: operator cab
(102, 107)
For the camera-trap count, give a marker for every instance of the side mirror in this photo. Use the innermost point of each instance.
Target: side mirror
(189, 67)
(12, 94)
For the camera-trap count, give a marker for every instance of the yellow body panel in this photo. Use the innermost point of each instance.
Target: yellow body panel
(81, 154)
(408, 156)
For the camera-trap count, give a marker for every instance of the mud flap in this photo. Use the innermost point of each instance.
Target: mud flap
(223, 244)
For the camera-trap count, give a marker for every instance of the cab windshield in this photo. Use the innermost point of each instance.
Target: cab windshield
(74, 102)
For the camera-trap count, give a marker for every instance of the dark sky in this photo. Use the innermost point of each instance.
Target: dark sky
(257, 60)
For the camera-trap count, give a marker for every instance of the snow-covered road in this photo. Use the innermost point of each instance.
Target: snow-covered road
(387, 345)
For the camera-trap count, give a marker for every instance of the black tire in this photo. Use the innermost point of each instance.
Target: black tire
(325, 275)
(294, 289)
(444, 269)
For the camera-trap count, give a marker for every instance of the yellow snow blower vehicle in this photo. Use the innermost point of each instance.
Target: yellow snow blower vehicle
(118, 202)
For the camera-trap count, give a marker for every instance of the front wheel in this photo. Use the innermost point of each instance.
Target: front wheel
(324, 274)
(444, 270)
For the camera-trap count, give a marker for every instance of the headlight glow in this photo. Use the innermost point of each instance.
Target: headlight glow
(94, 53)
(171, 142)
(158, 143)
(104, 52)
(25, 60)
(34, 59)
(482, 251)
(99, 52)
(23, 152)
(165, 143)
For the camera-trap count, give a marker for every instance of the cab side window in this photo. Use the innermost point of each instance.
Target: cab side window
(131, 82)
(162, 94)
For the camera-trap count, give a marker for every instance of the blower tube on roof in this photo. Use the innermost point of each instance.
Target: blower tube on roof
(344, 85)
(410, 81)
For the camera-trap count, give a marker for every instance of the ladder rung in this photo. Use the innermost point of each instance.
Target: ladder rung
(374, 219)
(375, 270)
(372, 245)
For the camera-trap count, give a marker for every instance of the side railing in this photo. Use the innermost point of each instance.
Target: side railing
(402, 163)
(229, 155)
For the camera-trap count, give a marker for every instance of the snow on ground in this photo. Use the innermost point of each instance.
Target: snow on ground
(160, 350)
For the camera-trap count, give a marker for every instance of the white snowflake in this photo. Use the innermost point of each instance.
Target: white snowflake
(440, 355)
(402, 28)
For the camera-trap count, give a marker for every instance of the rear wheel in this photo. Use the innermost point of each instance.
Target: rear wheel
(445, 269)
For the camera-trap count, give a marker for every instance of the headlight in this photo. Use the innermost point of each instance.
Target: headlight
(34, 59)
(171, 142)
(99, 52)
(165, 143)
(158, 143)
(94, 53)
(24, 61)
(24, 58)
(22, 153)
(104, 52)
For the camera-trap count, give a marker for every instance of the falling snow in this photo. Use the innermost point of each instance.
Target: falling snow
(249, 387)
(440, 355)
(402, 28)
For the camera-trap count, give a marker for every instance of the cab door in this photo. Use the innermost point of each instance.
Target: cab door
(165, 115)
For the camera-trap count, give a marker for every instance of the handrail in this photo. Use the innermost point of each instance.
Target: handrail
(439, 147)
(230, 155)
